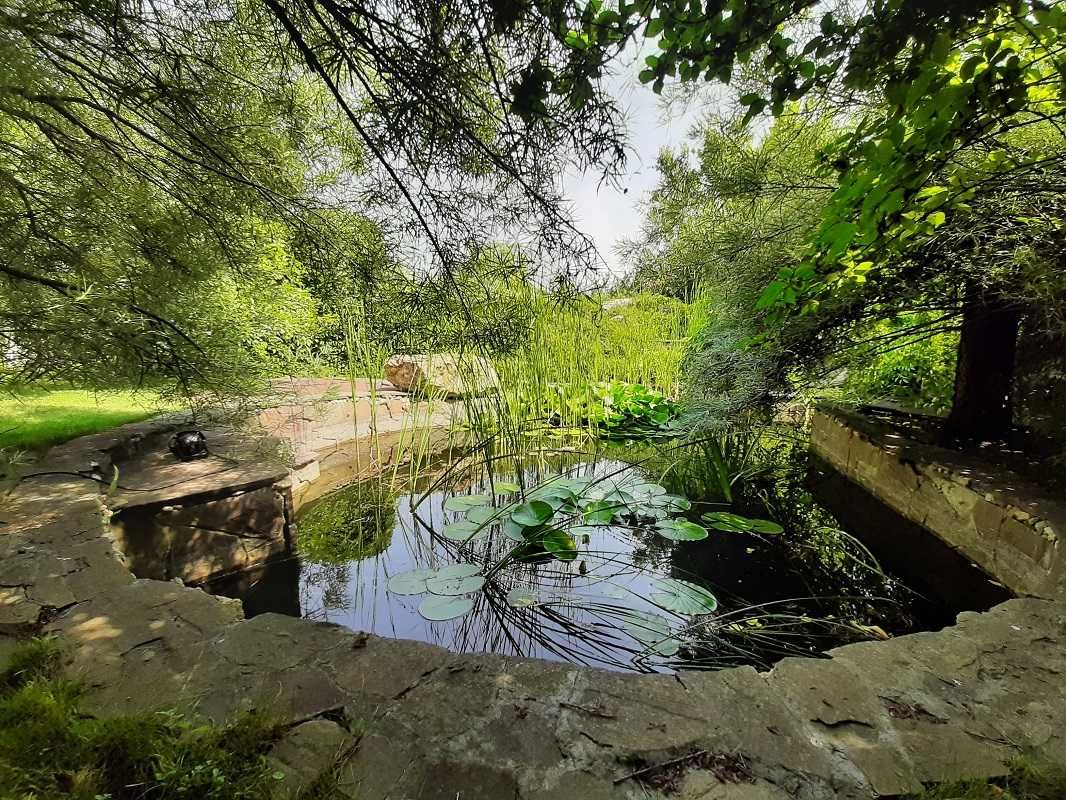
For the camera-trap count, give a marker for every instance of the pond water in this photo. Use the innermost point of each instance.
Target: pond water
(625, 594)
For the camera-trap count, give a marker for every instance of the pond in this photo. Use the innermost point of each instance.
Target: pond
(630, 557)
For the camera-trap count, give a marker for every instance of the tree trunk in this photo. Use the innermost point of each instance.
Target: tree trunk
(984, 373)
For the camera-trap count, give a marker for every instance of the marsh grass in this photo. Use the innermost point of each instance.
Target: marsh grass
(50, 748)
(576, 345)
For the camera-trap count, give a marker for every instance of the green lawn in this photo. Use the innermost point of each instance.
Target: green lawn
(34, 419)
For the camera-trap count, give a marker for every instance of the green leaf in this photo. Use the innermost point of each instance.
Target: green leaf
(513, 530)
(734, 523)
(684, 597)
(462, 530)
(463, 584)
(522, 597)
(410, 582)
(464, 502)
(506, 487)
(484, 514)
(680, 530)
(438, 608)
(533, 513)
(652, 631)
(560, 545)
(457, 571)
(599, 512)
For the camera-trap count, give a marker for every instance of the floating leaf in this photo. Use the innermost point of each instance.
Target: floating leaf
(766, 526)
(560, 545)
(683, 597)
(462, 530)
(671, 502)
(533, 513)
(464, 502)
(410, 582)
(484, 514)
(680, 530)
(646, 490)
(446, 585)
(521, 597)
(506, 487)
(437, 608)
(599, 512)
(734, 523)
(512, 530)
(457, 571)
(652, 631)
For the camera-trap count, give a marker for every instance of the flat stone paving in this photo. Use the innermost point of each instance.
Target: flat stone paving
(409, 720)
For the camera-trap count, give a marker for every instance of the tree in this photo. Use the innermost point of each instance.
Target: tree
(952, 82)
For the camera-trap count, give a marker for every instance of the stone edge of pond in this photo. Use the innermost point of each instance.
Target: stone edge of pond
(415, 721)
(1004, 523)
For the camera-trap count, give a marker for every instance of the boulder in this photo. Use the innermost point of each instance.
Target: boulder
(443, 375)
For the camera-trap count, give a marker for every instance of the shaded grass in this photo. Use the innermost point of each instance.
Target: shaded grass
(1027, 780)
(50, 749)
(33, 419)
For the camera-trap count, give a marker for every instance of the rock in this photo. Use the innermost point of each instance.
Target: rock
(306, 753)
(442, 374)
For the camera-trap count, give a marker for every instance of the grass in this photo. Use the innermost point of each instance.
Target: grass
(33, 419)
(50, 749)
(1027, 780)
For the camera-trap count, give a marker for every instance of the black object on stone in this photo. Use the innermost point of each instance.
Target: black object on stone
(188, 445)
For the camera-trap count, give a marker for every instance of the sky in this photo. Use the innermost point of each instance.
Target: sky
(605, 213)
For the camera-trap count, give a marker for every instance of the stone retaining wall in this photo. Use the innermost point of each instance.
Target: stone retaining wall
(409, 720)
(1003, 523)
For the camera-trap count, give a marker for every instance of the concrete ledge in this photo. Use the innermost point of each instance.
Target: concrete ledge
(1005, 524)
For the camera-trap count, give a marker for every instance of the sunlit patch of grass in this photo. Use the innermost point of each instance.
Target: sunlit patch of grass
(32, 419)
(49, 748)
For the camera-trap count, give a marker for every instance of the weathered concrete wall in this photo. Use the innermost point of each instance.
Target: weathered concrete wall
(202, 519)
(1008, 527)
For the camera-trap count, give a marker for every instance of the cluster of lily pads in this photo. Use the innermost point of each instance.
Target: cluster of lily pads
(548, 522)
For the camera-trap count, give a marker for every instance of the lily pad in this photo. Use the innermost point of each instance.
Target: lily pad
(410, 582)
(645, 490)
(467, 584)
(533, 513)
(680, 530)
(464, 502)
(652, 631)
(521, 597)
(734, 523)
(599, 512)
(437, 608)
(483, 514)
(683, 597)
(463, 530)
(512, 530)
(766, 526)
(457, 571)
(671, 502)
(560, 545)
(506, 487)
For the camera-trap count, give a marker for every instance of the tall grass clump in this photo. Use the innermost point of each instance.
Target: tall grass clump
(578, 346)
